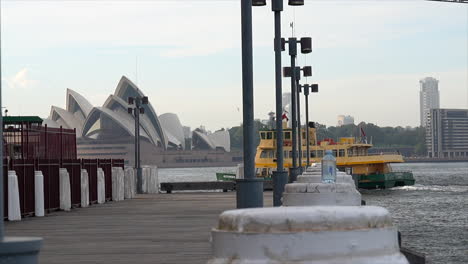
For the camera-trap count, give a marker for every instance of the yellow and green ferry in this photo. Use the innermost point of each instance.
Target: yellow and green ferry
(370, 171)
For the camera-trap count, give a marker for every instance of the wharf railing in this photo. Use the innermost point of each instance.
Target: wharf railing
(25, 169)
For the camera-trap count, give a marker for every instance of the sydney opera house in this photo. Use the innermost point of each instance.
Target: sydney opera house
(108, 131)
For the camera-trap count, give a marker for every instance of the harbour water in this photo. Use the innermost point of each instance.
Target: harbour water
(431, 215)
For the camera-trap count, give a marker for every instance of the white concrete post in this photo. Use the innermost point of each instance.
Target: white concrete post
(145, 172)
(65, 192)
(117, 184)
(121, 184)
(38, 193)
(309, 190)
(153, 181)
(84, 188)
(306, 235)
(14, 209)
(130, 187)
(101, 187)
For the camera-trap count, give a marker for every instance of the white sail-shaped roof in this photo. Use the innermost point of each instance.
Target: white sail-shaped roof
(127, 88)
(105, 122)
(221, 139)
(172, 125)
(65, 119)
(201, 140)
(78, 105)
(116, 104)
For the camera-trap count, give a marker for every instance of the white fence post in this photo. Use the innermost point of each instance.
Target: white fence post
(117, 184)
(153, 181)
(130, 186)
(14, 209)
(65, 193)
(84, 188)
(101, 187)
(38, 193)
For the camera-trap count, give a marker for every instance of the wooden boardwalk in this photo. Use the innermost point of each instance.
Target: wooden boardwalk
(163, 228)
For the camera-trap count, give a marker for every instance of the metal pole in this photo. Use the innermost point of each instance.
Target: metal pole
(299, 130)
(280, 176)
(293, 52)
(306, 94)
(2, 234)
(250, 189)
(137, 146)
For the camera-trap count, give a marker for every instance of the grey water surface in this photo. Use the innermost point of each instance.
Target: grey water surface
(432, 215)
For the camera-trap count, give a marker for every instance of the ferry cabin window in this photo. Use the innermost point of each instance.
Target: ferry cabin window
(319, 153)
(303, 135)
(262, 134)
(350, 152)
(263, 155)
(285, 154)
(342, 153)
(269, 135)
(334, 153)
(290, 154)
(287, 135)
(312, 153)
(270, 154)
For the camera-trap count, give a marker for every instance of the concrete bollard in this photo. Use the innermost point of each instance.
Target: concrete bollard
(38, 193)
(129, 186)
(14, 209)
(84, 188)
(65, 192)
(153, 181)
(145, 174)
(118, 184)
(101, 187)
(306, 235)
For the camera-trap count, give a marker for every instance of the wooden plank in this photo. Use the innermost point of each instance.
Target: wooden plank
(149, 229)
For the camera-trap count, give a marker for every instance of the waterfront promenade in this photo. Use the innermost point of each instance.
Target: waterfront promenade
(161, 228)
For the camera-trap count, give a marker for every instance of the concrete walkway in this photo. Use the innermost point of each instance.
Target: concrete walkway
(163, 228)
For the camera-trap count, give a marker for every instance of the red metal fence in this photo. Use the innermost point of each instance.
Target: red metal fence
(29, 141)
(25, 168)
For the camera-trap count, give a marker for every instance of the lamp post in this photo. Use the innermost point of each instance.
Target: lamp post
(280, 176)
(138, 109)
(313, 89)
(295, 105)
(249, 191)
(307, 73)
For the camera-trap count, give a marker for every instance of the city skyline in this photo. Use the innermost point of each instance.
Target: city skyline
(367, 62)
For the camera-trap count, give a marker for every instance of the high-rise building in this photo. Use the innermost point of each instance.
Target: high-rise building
(345, 120)
(447, 133)
(428, 97)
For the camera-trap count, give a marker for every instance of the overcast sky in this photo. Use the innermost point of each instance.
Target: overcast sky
(368, 56)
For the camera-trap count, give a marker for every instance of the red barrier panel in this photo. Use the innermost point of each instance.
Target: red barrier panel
(5, 188)
(50, 170)
(25, 173)
(90, 165)
(73, 167)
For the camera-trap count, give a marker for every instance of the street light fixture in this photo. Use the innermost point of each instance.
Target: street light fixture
(307, 70)
(280, 176)
(306, 47)
(137, 109)
(313, 89)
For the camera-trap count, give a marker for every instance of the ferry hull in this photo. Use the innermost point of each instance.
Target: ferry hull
(384, 180)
